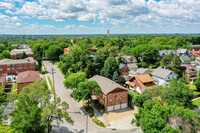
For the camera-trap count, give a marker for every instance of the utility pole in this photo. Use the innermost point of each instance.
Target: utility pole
(87, 123)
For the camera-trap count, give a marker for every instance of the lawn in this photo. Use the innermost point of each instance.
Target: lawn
(196, 102)
(44, 67)
(15, 86)
(52, 88)
(98, 122)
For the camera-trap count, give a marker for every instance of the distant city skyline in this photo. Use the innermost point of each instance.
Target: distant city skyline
(97, 16)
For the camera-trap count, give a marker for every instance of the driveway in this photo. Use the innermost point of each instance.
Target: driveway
(79, 125)
(121, 119)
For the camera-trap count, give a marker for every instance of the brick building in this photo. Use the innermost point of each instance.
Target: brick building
(16, 53)
(113, 96)
(3, 80)
(10, 67)
(26, 78)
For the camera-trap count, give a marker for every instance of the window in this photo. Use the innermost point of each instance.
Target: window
(8, 69)
(25, 64)
(110, 100)
(32, 63)
(32, 67)
(115, 101)
(111, 104)
(8, 64)
(1, 69)
(25, 67)
(115, 95)
(118, 95)
(123, 98)
(20, 68)
(13, 68)
(119, 101)
(0, 65)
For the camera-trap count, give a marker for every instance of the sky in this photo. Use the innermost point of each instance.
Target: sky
(96, 16)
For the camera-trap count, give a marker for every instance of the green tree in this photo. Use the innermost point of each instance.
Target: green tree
(89, 70)
(5, 54)
(74, 79)
(26, 116)
(23, 56)
(110, 66)
(85, 91)
(176, 65)
(2, 47)
(115, 76)
(126, 50)
(197, 83)
(147, 53)
(54, 52)
(167, 61)
(55, 111)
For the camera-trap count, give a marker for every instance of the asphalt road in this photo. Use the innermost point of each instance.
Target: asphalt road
(79, 125)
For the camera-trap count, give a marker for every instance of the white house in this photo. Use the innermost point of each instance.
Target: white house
(162, 76)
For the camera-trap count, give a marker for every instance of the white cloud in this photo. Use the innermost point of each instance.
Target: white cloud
(70, 26)
(5, 5)
(20, 1)
(25, 17)
(9, 12)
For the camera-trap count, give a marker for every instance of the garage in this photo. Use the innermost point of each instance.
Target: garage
(123, 106)
(117, 107)
(110, 108)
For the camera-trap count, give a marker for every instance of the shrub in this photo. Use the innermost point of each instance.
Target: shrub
(98, 122)
(142, 64)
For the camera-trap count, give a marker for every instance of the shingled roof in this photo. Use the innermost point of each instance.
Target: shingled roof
(20, 61)
(161, 73)
(20, 51)
(28, 76)
(106, 84)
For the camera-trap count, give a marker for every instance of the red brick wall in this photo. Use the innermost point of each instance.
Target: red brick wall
(101, 98)
(117, 95)
(22, 85)
(3, 83)
(17, 68)
(18, 56)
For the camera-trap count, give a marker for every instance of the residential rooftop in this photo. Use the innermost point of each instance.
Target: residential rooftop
(28, 76)
(20, 61)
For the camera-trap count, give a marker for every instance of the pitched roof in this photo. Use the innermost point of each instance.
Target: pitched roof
(129, 59)
(185, 58)
(195, 53)
(162, 73)
(106, 84)
(167, 52)
(132, 66)
(141, 70)
(181, 50)
(20, 51)
(2, 78)
(141, 80)
(28, 76)
(20, 61)
(121, 65)
(188, 68)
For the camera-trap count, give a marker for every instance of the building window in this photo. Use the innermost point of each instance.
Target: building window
(20, 68)
(115, 95)
(0, 65)
(110, 100)
(13, 68)
(123, 98)
(25, 64)
(118, 95)
(32, 67)
(32, 63)
(115, 101)
(119, 101)
(111, 104)
(25, 67)
(8, 64)
(8, 69)
(1, 69)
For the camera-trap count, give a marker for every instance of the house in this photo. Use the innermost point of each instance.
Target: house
(10, 67)
(113, 96)
(183, 52)
(195, 46)
(3, 80)
(128, 63)
(139, 83)
(185, 59)
(16, 53)
(195, 53)
(66, 50)
(162, 76)
(189, 73)
(21, 46)
(140, 71)
(26, 78)
(163, 53)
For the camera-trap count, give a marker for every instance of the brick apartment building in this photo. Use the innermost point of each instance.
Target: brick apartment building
(3, 80)
(26, 78)
(113, 95)
(16, 53)
(10, 67)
